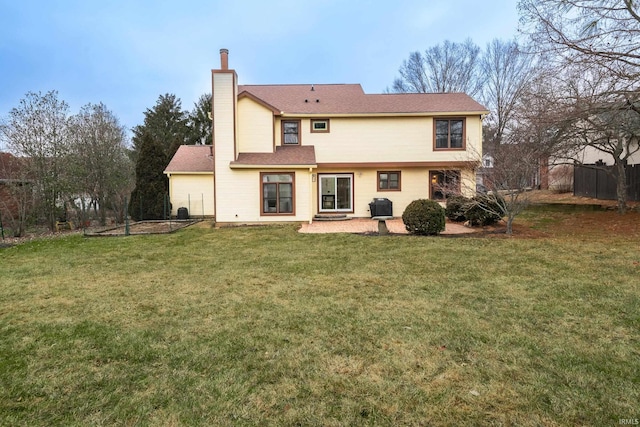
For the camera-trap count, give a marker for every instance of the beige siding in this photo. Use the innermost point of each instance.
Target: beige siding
(350, 141)
(255, 127)
(385, 139)
(192, 191)
(226, 190)
(468, 184)
(245, 204)
(414, 185)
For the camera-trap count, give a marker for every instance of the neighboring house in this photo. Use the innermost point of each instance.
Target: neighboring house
(291, 152)
(190, 174)
(483, 173)
(591, 155)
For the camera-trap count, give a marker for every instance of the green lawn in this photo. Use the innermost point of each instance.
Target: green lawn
(265, 326)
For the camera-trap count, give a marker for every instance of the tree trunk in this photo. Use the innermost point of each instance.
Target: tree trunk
(103, 210)
(510, 219)
(621, 187)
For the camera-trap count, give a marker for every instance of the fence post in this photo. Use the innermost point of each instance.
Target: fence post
(126, 217)
(164, 207)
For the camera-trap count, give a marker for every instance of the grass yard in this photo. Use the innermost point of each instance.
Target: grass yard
(265, 326)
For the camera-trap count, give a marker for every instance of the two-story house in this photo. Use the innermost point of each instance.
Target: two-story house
(291, 152)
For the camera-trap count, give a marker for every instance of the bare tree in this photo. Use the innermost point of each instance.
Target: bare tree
(597, 117)
(450, 67)
(508, 71)
(102, 169)
(603, 32)
(514, 174)
(16, 193)
(596, 54)
(38, 131)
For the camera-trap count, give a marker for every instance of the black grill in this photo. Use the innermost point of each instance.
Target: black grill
(381, 207)
(183, 213)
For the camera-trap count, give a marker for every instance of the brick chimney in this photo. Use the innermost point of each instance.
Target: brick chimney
(224, 59)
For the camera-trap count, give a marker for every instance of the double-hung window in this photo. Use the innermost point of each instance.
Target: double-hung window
(389, 181)
(449, 134)
(277, 193)
(291, 132)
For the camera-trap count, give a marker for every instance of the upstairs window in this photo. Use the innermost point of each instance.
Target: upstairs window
(320, 126)
(389, 181)
(449, 134)
(291, 132)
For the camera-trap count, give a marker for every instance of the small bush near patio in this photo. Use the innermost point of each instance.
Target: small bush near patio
(424, 217)
(484, 210)
(456, 207)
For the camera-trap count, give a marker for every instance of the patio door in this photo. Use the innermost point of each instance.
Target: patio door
(444, 184)
(336, 193)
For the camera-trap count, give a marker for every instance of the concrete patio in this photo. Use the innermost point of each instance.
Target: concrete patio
(367, 225)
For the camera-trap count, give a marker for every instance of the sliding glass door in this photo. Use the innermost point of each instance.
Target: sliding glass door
(336, 193)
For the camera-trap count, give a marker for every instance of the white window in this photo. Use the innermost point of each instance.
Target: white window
(336, 192)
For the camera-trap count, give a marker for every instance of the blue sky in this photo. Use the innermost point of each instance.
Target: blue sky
(125, 53)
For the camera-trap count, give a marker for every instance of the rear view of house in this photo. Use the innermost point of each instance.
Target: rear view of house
(291, 152)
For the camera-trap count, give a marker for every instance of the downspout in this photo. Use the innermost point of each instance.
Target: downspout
(310, 195)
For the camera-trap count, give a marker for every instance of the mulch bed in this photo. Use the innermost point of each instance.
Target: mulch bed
(143, 227)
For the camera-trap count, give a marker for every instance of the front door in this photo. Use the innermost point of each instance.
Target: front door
(336, 193)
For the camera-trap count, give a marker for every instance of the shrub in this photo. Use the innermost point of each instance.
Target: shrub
(424, 217)
(456, 207)
(484, 210)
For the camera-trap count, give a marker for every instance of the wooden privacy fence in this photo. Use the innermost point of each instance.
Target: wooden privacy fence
(598, 181)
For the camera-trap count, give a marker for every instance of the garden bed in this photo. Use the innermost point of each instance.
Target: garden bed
(142, 227)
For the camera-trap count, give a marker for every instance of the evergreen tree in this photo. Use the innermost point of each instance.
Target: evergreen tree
(200, 123)
(148, 197)
(166, 123)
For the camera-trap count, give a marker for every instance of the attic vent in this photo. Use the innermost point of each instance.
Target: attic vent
(306, 100)
(312, 88)
(317, 100)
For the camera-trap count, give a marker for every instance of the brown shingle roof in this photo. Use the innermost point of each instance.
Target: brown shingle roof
(350, 99)
(284, 156)
(192, 158)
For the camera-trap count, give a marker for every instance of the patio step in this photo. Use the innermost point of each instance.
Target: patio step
(331, 217)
